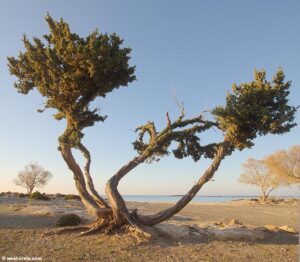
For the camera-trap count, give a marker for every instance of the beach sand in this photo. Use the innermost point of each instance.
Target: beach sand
(240, 230)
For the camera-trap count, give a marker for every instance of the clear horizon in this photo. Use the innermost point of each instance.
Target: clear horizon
(197, 49)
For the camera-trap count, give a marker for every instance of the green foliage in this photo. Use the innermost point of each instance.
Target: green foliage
(38, 196)
(256, 108)
(70, 72)
(72, 197)
(183, 131)
(68, 220)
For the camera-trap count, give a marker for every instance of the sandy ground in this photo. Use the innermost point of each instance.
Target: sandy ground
(22, 223)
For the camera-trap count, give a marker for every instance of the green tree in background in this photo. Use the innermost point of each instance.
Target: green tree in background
(71, 71)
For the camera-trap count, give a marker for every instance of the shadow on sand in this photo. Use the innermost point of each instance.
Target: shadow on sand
(171, 234)
(12, 221)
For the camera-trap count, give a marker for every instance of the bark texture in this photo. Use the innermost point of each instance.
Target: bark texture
(89, 180)
(161, 216)
(90, 204)
(117, 214)
(117, 203)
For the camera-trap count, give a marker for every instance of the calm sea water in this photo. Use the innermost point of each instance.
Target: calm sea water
(149, 198)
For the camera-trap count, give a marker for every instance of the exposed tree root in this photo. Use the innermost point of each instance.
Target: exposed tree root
(65, 230)
(96, 227)
(140, 231)
(110, 227)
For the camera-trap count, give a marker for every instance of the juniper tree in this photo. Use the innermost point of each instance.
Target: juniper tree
(252, 109)
(71, 71)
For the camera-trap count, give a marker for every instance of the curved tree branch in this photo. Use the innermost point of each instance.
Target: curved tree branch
(158, 146)
(116, 201)
(89, 179)
(90, 204)
(168, 213)
(118, 205)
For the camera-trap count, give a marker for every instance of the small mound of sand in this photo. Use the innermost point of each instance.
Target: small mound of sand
(282, 228)
(235, 230)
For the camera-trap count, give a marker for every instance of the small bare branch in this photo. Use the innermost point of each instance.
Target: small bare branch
(168, 120)
(41, 110)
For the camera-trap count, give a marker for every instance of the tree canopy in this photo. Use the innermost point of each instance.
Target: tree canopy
(256, 108)
(285, 164)
(70, 72)
(281, 168)
(32, 176)
(257, 173)
(252, 109)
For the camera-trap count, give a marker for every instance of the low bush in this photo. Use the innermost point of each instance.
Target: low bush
(38, 196)
(60, 195)
(72, 197)
(23, 195)
(68, 220)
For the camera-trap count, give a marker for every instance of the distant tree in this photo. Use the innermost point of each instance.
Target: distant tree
(285, 164)
(70, 72)
(256, 173)
(32, 176)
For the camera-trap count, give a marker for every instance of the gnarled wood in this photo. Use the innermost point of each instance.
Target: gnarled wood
(117, 203)
(90, 204)
(161, 216)
(65, 230)
(89, 180)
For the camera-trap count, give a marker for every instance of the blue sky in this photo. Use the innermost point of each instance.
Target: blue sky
(197, 48)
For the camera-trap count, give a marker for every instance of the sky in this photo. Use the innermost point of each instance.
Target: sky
(195, 49)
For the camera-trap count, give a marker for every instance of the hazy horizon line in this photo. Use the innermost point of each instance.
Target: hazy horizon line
(170, 195)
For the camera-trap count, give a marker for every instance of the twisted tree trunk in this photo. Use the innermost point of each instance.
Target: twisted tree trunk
(161, 216)
(117, 203)
(89, 203)
(89, 180)
(118, 215)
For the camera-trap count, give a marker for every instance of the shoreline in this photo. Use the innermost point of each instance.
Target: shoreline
(167, 199)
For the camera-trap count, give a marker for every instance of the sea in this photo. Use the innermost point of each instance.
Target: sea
(196, 199)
